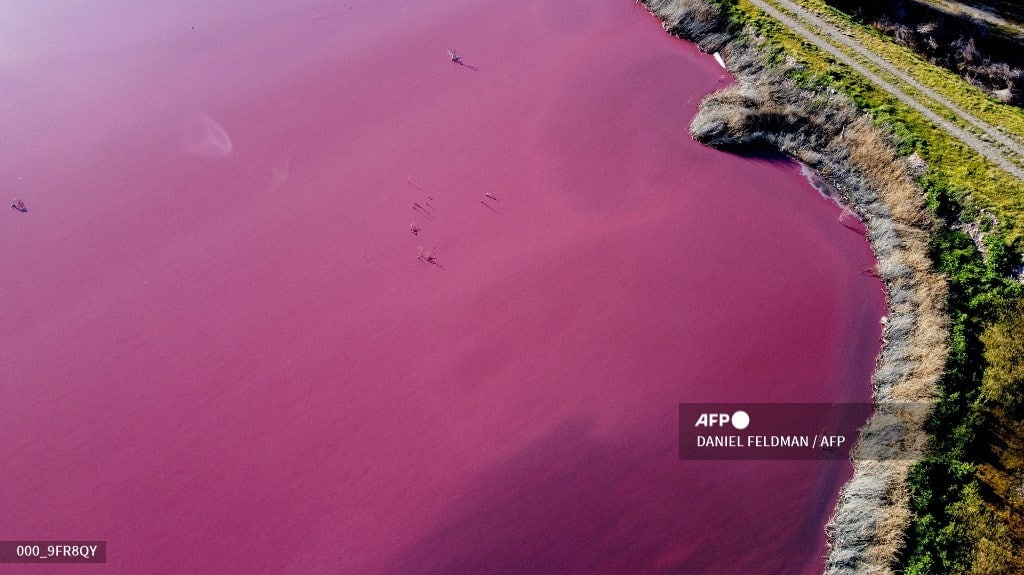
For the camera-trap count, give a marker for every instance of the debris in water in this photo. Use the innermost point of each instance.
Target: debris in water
(19, 205)
(427, 256)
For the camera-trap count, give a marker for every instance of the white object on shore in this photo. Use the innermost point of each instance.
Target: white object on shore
(718, 58)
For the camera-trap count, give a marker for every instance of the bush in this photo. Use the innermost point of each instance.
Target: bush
(936, 539)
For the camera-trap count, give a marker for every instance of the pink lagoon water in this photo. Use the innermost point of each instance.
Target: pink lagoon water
(222, 354)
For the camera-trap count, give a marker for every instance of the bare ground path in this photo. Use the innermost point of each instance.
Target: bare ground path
(961, 9)
(828, 36)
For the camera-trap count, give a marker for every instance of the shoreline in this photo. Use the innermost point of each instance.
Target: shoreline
(389, 413)
(824, 132)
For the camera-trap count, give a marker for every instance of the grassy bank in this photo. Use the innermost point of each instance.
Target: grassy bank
(966, 495)
(953, 87)
(930, 204)
(960, 173)
(772, 104)
(973, 44)
(966, 499)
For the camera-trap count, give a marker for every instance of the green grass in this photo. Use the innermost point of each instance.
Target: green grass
(947, 83)
(959, 171)
(953, 525)
(963, 521)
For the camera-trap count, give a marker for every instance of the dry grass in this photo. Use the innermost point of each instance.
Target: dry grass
(858, 159)
(702, 22)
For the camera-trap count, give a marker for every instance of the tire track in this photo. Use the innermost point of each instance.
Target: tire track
(985, 149)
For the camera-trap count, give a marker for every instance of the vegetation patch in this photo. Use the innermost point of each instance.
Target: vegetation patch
(930, 205)
(979, 51)
(974, 182)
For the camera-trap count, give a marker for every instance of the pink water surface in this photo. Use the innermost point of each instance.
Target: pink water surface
(222, 355)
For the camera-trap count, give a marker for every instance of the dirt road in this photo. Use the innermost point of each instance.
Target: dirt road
(1010, 157)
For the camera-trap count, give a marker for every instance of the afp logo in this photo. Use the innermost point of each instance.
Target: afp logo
(739, 420)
